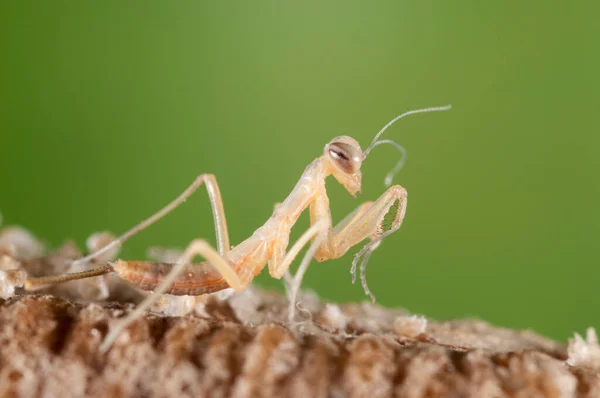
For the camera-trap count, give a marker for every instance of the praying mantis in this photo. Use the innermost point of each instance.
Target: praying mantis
(235, 267)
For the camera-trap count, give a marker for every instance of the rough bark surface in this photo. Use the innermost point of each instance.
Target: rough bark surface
(239, 347)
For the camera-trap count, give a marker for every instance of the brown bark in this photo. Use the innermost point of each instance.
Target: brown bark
(240, 348)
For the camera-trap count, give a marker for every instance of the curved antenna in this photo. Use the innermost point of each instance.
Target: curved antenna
(390, 176)
(376, 141)
(394, 120)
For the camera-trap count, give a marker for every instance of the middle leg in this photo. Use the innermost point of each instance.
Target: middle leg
(316, 233)
(216, 203)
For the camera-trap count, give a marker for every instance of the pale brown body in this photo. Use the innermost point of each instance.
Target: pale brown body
(268, 244)
(236, 267)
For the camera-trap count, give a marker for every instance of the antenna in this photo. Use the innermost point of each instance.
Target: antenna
(376, 141)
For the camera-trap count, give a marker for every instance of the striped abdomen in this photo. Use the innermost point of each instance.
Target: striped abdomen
(194, 280)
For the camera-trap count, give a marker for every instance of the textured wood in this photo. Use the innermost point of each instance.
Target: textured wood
(239, 348)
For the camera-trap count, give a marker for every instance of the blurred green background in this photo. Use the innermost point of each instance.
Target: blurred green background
(110, 109)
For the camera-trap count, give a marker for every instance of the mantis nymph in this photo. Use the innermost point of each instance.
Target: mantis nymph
(227, 267)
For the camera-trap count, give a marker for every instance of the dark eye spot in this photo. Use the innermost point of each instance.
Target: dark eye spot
(346, 157)
(339, 154)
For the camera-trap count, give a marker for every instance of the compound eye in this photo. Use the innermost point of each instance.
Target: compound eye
(346, 157)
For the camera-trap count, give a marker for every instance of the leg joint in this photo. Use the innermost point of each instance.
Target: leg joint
(398, 191)
(205, 176)
(199, 244)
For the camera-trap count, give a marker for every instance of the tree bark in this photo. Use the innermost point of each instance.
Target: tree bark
(239, 347)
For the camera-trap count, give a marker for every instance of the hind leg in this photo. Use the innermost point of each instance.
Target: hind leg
(197, 247)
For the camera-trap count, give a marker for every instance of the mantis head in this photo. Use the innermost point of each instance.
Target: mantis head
(345, 157)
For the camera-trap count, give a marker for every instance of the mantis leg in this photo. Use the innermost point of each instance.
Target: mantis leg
(368, 221)
(218, 211)
(316, 233)
(197, 247)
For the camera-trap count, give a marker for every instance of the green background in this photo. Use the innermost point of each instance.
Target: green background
(110, 109)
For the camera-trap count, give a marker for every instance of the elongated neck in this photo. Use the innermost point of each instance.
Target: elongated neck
(311, 183)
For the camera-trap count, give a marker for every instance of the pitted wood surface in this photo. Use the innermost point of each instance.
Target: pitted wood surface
(240, 348)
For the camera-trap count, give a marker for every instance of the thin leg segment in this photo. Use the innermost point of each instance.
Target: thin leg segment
(317, 233)
(278, 269)
(197, 247)
(218, 211)
(367, 221)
